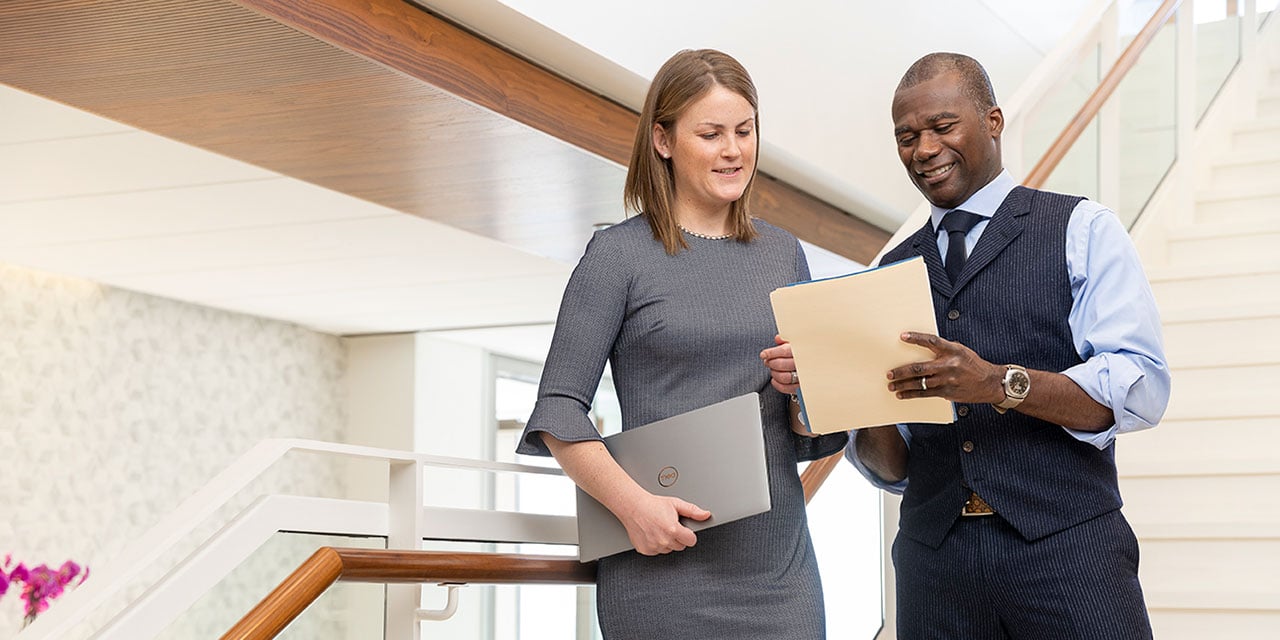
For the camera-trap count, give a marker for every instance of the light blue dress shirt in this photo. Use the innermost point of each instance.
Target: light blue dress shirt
(1114, 321)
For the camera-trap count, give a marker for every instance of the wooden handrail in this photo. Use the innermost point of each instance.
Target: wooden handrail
(330, 564)
(816, 473)
(1058, 150)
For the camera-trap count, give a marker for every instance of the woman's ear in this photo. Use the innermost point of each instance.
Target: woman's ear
(660, 141)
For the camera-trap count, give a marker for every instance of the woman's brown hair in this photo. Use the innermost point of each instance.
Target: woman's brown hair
(650, 187)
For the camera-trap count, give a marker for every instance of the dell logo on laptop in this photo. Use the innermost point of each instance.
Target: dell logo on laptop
(667, 476)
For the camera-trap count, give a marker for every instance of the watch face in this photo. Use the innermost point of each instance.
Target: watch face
(1019, 383)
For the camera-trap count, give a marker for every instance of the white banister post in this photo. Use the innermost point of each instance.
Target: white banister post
(1185, 115)
(889, 506)
(1109, 115)
(405, 499)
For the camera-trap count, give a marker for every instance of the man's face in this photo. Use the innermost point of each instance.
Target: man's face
(949, 147)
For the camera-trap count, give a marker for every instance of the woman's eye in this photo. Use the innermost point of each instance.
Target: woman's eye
(709, 136)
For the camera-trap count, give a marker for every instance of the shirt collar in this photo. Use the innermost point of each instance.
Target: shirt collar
(984, 202)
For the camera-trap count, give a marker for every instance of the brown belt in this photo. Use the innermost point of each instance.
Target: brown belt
(976, 506)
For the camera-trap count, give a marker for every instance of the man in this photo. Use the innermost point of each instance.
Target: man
(1050, 345)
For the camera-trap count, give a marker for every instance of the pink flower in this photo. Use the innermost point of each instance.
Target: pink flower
(40, 584)
(19, 573)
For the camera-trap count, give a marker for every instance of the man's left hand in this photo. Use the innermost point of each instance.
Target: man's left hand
(956, 373)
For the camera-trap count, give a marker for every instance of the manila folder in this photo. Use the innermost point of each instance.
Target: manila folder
(844, 333)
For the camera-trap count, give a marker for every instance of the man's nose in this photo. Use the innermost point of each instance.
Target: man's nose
(926, 147)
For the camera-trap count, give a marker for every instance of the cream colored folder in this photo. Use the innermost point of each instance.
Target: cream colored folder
(844, 332)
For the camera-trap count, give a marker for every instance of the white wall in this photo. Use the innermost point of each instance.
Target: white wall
(115, 407)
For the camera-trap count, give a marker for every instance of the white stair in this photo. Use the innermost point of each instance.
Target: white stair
(1202, 490)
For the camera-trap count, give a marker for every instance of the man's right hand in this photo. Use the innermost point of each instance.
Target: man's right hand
(653, 524)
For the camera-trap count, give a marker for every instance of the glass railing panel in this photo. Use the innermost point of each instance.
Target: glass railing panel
(845, 525)
(1147, 144)
(1217, 49)
(1078, 171)
(544, 611)
(1264, 8)
(346, 610)
(1044, 121)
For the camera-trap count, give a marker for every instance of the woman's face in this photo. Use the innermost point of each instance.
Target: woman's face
(712, 148)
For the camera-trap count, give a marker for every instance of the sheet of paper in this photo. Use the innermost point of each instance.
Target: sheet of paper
(845, 332)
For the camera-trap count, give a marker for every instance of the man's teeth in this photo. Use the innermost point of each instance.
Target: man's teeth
(727, 171)
(939, 171)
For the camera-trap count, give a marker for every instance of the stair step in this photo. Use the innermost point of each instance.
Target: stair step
(1224, 530)
(1230, 289)
(1268, 102)
(1239, 206)
(1244, 176)
(1260, 135)
(1201, 501)
(1222, 393)
(1222, 574)
(1252, 242)
(1226, 599)
(1197, 623)
(1199, 447)
(1209, 343)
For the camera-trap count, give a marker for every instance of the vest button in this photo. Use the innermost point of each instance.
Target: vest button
(967, 446)
(953, 314)
(962, 411)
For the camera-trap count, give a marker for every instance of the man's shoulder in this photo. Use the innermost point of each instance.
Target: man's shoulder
(1040, 198)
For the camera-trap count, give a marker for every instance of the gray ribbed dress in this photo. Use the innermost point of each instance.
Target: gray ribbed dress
(682, 332)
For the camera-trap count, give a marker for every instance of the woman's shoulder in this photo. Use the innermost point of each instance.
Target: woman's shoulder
(621, 242)
(773, 235)
(630, 235)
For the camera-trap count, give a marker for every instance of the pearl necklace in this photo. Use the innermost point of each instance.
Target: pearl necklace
(703, 235)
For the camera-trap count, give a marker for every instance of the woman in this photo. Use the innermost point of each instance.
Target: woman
(677, 299)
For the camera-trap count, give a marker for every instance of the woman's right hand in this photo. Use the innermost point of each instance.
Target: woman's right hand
(653, 524)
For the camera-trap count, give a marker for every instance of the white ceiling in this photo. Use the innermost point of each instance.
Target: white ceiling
(87, 197)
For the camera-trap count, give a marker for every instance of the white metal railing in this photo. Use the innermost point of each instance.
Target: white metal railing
(403, 520)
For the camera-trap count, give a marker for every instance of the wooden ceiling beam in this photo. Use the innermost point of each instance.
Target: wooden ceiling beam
(404, 37)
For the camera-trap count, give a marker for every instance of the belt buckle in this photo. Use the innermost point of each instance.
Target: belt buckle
(976, 506)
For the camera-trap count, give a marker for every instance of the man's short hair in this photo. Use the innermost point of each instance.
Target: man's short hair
(974, 81)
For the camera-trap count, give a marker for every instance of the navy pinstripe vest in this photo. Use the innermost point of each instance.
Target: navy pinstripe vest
(1010, 305)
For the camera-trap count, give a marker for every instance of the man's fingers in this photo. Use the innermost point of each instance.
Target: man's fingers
(926, 340)
(908, 376)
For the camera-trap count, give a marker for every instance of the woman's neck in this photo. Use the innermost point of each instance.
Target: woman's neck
(702, 221)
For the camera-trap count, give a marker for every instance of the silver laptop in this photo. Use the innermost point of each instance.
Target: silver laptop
(712, 457)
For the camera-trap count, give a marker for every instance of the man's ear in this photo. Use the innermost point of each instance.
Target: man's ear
(660, 141)
(995, 121)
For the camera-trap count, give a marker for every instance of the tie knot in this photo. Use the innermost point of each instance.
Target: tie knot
(957, 220)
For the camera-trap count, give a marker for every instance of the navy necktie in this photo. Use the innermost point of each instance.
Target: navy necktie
(957, 224)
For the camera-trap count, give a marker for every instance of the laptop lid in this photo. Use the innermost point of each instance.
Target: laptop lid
(712, 457)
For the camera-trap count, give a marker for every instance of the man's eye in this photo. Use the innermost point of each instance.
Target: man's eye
(942, 128)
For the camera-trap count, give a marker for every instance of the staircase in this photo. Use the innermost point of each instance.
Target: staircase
(1203, 489)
